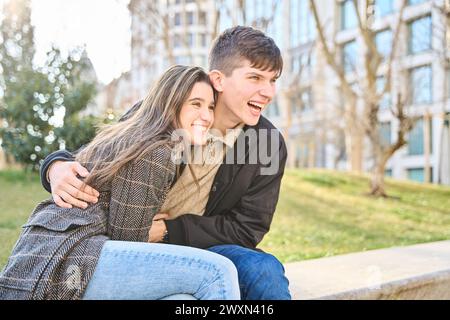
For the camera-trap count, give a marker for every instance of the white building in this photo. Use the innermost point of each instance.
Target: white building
(309, 100)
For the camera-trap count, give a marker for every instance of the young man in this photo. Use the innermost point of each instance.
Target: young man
(233, 217)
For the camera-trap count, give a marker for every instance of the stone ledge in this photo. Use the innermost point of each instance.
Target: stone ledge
(413, 272)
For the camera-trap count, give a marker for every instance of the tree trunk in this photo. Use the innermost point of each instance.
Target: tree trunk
(377, 182)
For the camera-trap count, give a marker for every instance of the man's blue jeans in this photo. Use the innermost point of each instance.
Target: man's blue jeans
(261, 275)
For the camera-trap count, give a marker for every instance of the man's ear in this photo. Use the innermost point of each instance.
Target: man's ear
(217, 78)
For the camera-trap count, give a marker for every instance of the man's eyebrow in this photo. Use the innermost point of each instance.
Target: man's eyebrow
(253, 73)
(260, 75)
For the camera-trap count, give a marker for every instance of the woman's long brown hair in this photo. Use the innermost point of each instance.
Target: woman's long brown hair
(148, 128)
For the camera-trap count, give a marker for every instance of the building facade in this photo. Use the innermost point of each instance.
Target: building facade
(309, 102)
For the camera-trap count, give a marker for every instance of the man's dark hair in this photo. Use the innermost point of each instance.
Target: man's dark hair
(240, 43)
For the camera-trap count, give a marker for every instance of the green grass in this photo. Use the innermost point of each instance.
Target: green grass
(320, 213)
(325, 213)
(20, 193)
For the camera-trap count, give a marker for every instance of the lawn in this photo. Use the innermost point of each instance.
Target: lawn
(320, 213)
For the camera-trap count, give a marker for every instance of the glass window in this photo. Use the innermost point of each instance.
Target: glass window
(295, 106)
(294, 23)
(385, 134)
(421, 80)
(177, 19)
(272, 110)
(190, 39)
(385, 101)
(183, 60)
(348, 15)
(383, 41)
(202, 18)
(420, 34)
(176, 41)
(416, 174)
(383, 7)
(203, 40)
(388, 172)
(306, 98)
(413, 2)
(415, 139)
(307, 31)
(349, 56)
(448, 83)
(190, 18)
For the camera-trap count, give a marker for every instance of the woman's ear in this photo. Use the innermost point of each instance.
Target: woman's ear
(216, 78)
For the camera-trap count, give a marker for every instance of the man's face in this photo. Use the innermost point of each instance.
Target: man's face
(247, 92)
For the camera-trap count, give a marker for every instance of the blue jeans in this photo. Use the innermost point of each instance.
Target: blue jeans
(261, 275)
(151, 271)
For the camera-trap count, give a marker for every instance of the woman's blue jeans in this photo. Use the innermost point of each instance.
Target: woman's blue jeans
(152, 271)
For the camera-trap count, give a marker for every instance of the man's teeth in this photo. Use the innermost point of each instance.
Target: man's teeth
(254, 105)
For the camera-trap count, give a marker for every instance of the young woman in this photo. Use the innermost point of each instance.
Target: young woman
(101, 252)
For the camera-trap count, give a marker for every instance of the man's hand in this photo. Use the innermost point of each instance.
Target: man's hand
(158, 228)
(67, 189)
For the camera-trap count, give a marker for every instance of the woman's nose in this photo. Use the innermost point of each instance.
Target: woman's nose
(206, 114)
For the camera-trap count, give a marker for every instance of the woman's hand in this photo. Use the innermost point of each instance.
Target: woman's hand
(158, 228)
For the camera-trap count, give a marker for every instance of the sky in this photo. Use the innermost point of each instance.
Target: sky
(103, 26)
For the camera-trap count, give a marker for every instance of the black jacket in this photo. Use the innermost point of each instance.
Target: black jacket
(242, 199)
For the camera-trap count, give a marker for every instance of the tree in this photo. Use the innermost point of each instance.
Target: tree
(16, 39)
(36, 101)
(364, 122)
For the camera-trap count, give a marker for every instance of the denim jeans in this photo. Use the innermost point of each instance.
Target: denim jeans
(151, 271)
(261, 275)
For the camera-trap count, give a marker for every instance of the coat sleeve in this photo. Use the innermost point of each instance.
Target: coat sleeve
(245, 224)
(61, 155)
(137, 194)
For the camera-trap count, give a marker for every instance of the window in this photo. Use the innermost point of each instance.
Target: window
(177, 19)
(176, 41)
(413, 2)
(388, 172)
(190, 18)
(272, 110)
(203, 40)
(383, 7)
(385, 134)
(202, 18)
(302, 65)
(306, 23)
(295, 106)
(416, 174)
(306, 98)
(448, 83)
(420, 34)
(294, 23)
(383, 41)
(420, 84)
(385, 101)
(349, 54)
(183, 60)
(190, 39)
(415, 139)
(348, 15)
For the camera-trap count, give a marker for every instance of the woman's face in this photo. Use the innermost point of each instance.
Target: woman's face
(197, 113)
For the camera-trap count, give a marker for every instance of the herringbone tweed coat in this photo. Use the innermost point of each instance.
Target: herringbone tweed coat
(58, 248)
